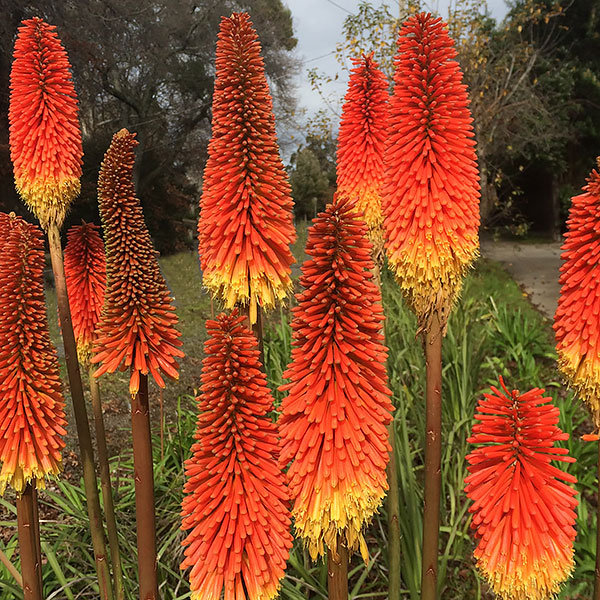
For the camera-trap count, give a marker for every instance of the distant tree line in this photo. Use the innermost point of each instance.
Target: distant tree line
(534, 84)
(147, 66)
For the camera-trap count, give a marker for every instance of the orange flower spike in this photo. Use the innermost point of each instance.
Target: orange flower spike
(45, 139)
(85, 270)
(245, 226)
(523, 511)
(32, 418)
(431, 189)
(576, 323)
(236, 503)
(333, 422)
(361, 142)
(137, 326)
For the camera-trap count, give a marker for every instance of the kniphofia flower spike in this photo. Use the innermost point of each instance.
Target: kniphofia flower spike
(85, 271)
(431, 188)
(577, 321)
(137, 326)
(236, 503)
(45, 139)
(523, 511)
(245, 226)
(333, 422)
(32, 420)
(361, 142)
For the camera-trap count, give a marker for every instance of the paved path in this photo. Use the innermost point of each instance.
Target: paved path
(534, 266)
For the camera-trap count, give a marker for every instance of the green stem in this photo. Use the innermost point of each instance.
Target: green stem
(597, 571)
(433, 453)
(30, 565)
(107, 492)
(81, 420)
(144, 492)
(337, 572)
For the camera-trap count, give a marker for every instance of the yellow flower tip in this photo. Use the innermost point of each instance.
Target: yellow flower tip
(24, 474)
(539, 580)
(48, 200)
(342, 512)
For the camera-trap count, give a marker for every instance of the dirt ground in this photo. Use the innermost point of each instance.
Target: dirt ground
(535, 266)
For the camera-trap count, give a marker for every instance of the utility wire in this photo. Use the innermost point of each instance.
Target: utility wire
(339, 6)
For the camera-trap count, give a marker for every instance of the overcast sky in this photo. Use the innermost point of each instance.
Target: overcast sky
(318, 28)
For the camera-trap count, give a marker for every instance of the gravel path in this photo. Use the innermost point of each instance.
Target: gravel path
(534, 266)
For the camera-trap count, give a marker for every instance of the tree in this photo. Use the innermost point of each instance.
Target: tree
(150, 67)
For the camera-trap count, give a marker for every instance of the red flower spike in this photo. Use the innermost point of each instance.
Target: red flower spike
(523, 512)
(361, 142)
(245, 227)
(85, 271)
(137, 326)
(32, 418)
(431, 188)
(45, 139)
(333, 422)
(576, 323)
(236, 503)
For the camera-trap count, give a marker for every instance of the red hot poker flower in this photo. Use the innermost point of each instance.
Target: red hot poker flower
(32, 418)
(576, 323)
(431, 189)
(236, 503)
(45, 139)
(523, 512)
(245, 225)
(85, 270)
(361, 142)
(137, 326)
(333, 422)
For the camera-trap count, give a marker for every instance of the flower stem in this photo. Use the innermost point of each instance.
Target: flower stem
(29, 546)
(597, 571)
(79, 409)
(433, 452)
(144, 492)
(337, 572)
(107, 492)
(393, 495)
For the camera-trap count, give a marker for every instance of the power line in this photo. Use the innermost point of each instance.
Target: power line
(340, 7)
(319, 57)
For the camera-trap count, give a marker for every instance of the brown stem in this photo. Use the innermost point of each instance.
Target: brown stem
(433, 452)
(30, 565)
(337, 572)
(107, 491)
(81, 420)
(144, 492)
(393, 522)
(36, 532)
(597, 572)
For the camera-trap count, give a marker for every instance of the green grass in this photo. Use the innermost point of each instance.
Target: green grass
(493, 331)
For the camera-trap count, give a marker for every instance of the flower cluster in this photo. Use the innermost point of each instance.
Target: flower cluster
(576, 322)
(236, 502)
(245, 225)
(361, 142)
(85, 271)
(431, 189)
(32, 419)
(523, 512)
(45, 139)
(333, 422)
(137, 326)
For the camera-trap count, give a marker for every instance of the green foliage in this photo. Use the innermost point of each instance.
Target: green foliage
(492, 331)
